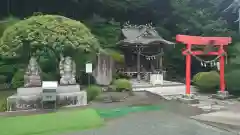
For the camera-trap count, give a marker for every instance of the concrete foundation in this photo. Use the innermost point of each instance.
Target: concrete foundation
(188, 99)
(30, 98)
(222, 95)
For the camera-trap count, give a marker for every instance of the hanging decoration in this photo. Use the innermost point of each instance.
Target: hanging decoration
(205, 63)
(151, 57)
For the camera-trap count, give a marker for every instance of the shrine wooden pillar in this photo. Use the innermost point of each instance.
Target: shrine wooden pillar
(161, 59)
(138, 63)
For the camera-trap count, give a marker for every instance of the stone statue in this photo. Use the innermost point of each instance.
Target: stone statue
(32, 76)
(67, 69)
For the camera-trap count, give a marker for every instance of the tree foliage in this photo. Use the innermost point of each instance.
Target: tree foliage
(53, 31)
(6, 22)
(107, 32)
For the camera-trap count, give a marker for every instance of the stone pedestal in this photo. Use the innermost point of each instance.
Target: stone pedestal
(188, 99)
(68, 88)
(18, 103)
(32, 81)
(222, 95)
(72, 99)
(30, 98)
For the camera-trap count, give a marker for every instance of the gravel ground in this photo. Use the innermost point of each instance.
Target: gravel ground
(153, 123)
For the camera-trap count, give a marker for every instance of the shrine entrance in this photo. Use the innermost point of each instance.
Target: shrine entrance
(208, 43)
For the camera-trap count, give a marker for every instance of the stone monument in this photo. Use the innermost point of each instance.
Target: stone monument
(30, 96)
(104, 70)
(67, 69)
(32, 76)
(68, 91)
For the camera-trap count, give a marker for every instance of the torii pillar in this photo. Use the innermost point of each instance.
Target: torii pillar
(190, 41)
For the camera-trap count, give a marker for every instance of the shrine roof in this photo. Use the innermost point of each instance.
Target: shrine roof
(141, 35)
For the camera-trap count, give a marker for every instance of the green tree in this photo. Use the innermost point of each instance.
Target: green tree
(107, 32)
(6, 22)
(47, 31)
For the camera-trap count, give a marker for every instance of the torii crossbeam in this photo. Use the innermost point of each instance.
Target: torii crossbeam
(190, 41)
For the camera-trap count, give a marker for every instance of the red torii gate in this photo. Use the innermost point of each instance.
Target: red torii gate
(198, 40)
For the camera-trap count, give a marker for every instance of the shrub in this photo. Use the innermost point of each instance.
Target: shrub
(207, 81)
(18, 79)
(49, 76)
(3, 79)
(122, 85)
(92, 92)
(232, 81)
(7, 69)
(3, 105)
(5, 86)
(120, 75)
(197, 76)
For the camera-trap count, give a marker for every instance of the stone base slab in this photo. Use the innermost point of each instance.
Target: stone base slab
(222, 95)
(68, 88)
(188, 99)
(20, 102)
(38, 90)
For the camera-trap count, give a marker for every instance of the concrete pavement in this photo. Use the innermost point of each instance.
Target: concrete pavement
(229, 120)
(153, 123)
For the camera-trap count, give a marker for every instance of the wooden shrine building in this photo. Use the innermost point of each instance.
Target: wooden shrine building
(144, 49)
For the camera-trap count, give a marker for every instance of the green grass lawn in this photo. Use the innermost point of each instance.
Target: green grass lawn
(62, 121)
(3, 97)
(50, 124)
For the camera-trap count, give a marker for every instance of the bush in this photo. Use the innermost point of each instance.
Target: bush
(5, 86)
(7, 69)
(3, 105)
(48, 76)
(18, 79)
(122, 85)
(92, 92)
(232, 81)
(120, 75)
(3, 79)
(197, 76)
(206, 81)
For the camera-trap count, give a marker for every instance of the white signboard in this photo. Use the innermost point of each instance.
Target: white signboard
(49, 84)
(89, 68)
